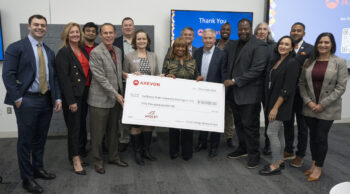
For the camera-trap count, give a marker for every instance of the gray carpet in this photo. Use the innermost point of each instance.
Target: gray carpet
(199, 175)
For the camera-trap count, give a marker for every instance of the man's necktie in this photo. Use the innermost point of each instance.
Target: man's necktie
(42, 71)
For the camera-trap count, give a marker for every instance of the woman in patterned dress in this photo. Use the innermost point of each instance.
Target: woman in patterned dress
(141, 62)
(180, 64)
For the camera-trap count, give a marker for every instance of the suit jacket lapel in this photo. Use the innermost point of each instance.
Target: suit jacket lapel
(200, 60)
(212, 61)
(151, 62)
(301, 49)
(29, 47)
(76, 61)
(327, 74)
(109, 58)
(308, 75)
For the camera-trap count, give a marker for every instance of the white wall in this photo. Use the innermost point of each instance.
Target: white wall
(144, 12)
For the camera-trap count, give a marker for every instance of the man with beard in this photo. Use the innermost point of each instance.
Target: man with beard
(303, 51)
(247, 58)
(90, 30)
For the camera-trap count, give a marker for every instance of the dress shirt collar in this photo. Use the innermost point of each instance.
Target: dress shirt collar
(34, 42)
(210, 51)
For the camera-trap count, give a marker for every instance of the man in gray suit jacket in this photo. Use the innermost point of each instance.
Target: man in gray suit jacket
(105, 97)
(247, 58)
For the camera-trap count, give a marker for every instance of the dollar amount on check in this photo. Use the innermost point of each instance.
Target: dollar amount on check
(174, 103)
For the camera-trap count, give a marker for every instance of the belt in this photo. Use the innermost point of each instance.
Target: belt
(37, 93)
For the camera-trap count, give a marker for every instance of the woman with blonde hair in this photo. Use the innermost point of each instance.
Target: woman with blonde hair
(72, 64)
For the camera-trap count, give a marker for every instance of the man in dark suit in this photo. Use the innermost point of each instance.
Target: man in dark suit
(123, 42)
(188, 34)
(32, 88)
(247, 58)
(211, 62)
(303, 51)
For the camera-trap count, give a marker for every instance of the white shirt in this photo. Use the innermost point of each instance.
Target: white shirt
(206, 58)
(299, 45)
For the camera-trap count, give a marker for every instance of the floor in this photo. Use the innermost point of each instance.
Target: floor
(199, 175)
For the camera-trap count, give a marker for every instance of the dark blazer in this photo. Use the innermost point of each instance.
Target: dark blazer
(217, 65)
(304, 53)
(283, 83)
(70, 73)
(19, 71)
(247, 69)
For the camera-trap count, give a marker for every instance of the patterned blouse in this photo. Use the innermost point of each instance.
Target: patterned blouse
(145, 68)
(186, 71)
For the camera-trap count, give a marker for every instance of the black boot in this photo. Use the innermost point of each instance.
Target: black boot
(136, 144)
(147, 140)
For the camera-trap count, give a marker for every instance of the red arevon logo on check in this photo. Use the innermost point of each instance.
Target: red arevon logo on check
(151, 115)
(145, 83)
(136, 82)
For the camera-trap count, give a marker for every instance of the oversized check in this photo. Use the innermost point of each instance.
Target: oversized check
(175, 103)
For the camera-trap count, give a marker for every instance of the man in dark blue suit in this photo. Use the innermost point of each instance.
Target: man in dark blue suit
(211, 62)
(303, 51)
(32, 88)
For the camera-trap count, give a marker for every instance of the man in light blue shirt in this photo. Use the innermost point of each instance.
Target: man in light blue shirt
(211, 62)
(32, 88)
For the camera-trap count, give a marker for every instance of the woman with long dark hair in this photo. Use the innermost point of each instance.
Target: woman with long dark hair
(280, 87)
(322, 83)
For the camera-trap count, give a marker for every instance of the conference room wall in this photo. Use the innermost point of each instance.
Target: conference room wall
(152, 12)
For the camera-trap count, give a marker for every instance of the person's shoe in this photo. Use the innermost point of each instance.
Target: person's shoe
(118, 162)
(42, 174)
(31, 186)
(237, 154)
(229, 143)
(266, 171)
(266, 150)
(252, 164)
(122, 147)
(200, 147)
(307, 173)
(174, 156)
(297, 162)
(99, 169)
(81, 172)
(146, 151)
(288, 156)
(213, 151)
(138, 158)
(312, 179)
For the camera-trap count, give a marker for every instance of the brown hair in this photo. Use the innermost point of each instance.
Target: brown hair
(133, 42)
(65, 33)
(180, 42)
